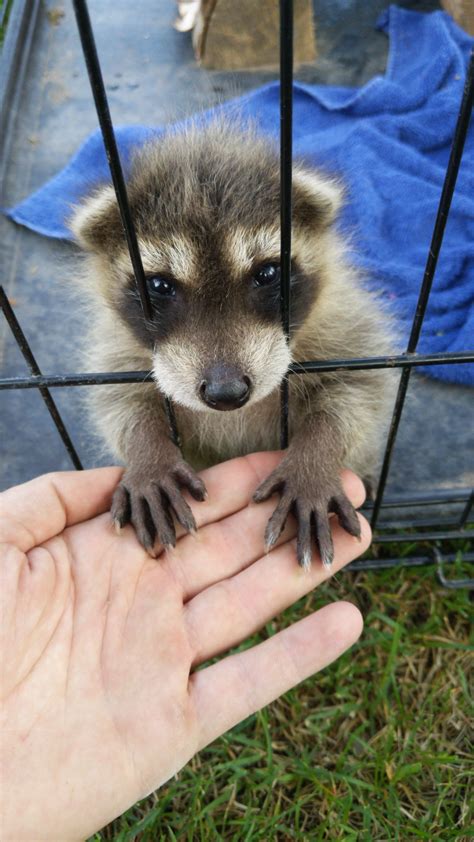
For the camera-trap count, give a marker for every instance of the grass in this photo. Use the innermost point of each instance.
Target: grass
(5, 8)
(375, 748)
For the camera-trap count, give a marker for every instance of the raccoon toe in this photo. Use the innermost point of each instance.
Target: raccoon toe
(120, 508)
(271, 485)
(189, 479)
(341, 506)
(181, 509)
(158, 519)
(304, 536)
(311, 499)
(151, 505)
(276, 524)
(313, 527)
(143, 524)
(321, 530)
(347, 515)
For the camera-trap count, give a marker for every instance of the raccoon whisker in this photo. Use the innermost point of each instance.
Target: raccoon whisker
(298, 279)
(295, 385)
(301, 391)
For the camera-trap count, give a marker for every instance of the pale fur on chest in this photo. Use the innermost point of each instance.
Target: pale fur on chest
(210, 437)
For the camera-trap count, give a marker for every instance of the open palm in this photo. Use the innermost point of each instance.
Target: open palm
(102, 701)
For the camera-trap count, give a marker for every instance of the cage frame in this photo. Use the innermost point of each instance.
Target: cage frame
(454, 529)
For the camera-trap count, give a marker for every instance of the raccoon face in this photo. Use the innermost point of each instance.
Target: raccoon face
(206, 209)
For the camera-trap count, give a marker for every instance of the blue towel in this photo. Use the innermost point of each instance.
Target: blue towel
(389, 140)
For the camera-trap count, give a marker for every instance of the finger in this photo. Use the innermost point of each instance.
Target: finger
(237, 686)
(229, 611)
(277, 522)
(323, 537)
(223, 548)
(346, 514)
(37, 510)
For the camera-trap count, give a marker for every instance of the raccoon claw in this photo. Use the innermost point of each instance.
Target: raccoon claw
(311, 509)
(149, 505)
(276, 524)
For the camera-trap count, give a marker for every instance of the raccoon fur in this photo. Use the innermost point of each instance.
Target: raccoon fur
(206, 207)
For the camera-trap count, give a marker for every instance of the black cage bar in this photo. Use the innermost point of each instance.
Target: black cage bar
(105, 121)
(396, 531)
(286, 157)
(430, 269)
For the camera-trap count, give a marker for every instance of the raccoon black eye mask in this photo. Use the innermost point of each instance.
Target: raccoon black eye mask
(206, 210)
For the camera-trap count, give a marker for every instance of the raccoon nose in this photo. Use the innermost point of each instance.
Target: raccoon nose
(224, 387)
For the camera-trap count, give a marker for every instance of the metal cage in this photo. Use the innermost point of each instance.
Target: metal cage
(427, 532)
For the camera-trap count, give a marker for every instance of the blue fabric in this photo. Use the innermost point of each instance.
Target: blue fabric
(389, 140)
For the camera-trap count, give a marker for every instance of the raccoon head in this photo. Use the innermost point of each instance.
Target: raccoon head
(206, 208)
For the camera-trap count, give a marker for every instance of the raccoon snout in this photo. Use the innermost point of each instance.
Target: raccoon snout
(224, 387)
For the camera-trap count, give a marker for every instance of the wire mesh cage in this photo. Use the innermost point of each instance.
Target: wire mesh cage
(428, 534)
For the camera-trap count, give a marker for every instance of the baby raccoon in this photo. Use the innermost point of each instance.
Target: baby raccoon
(206, 207)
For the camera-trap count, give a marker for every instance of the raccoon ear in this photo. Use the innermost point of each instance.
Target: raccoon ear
(316, 198)
(96, 222)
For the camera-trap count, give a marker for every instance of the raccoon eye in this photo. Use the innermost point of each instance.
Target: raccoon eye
(268, 273)
(159, 285)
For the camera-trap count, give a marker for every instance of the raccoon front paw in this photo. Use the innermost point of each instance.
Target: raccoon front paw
(311, 502)
(148, 499)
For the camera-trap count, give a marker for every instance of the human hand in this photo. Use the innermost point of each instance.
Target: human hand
(98, 640)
